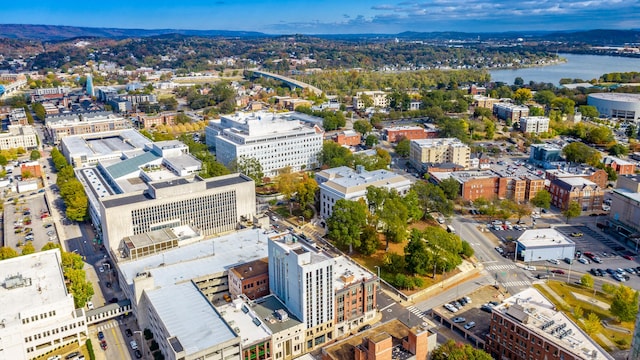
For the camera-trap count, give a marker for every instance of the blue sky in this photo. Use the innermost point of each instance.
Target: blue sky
(330, 16)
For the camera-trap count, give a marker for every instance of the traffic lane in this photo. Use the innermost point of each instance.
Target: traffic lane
(397, 311)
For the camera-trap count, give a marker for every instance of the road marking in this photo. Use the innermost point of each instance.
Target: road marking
(416, 311)
(118, 344)
(501, 267)
(388, 306)
(490, 262)
(516, 283)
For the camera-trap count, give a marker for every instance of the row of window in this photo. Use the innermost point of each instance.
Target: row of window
(53, 331)
(39, 317)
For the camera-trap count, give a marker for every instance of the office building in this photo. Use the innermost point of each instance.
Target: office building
(619, 106)
(396, 133)
(439, 151)
(529, 326)
(534, 124)
(250, 279)
(18, 136)
(508, 111)
(58, 127)
(545, 155)
(274, 140)
(303, 279)
(379, 99)
(89, 149)
(38, 312)
(544, 244)
(585, 192)
(346, 183)
(89, 86)
(625, 205)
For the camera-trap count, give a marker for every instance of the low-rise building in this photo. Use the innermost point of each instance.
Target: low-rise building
(529, 326)
(250, 279)
(508, 111)
(621, 167)
(38, 312)
(379, 99)
(396, 133)
(545, 155)
(544, 244)
(346, 183)
(490, 184)
(625, 205)
(598, 176)
(534, 124)
(484, 101)
(348, 138)
(438, 151)
(59, 126)
(151, 121)
(355, 296)
(88, 149)
(585, 192)
(18, 136)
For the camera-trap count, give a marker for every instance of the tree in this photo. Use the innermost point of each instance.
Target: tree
(39, 110)
(432, 198)
(35, 155)
(450, 187)
(625, 303)
(49, 246)
(544, 97)
(599, 135)
(573, 210)
(618, 149)
(592, 324)
(394, 216)
(334, 155)
(536, 111)
(345, 223)
(370, 141)
(631, 131)
(580, 153)
(7, 253)
(451, 350)
(578, 312)
(3, 160)
(587, 281)
(306, 192)
(564, 105)
(367, 101)
(362, 126)
(28, 249)
(522, 95)
(542, 199)
(518, 81)
(489, 129)
(286, 182)
(249, 166)
(416, 254)
(403, 147)
(588, 111)
(368, 240)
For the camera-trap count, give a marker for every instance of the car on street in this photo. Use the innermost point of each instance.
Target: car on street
(138, 354)
(134, 344)
(103, 345)
(361, 329)
(459, 320)
(499, 250)
(628, 257)
(470, 325)
(128, 332)
(554, 261)
(101, 269)
(100, 335)
(558, 271)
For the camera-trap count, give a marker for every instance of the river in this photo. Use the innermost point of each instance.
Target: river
(585, 67)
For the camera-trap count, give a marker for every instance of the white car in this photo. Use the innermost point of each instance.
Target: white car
(450, 307)
(101, 269)
(134, 345)
(584, 260)
(530, 268)
(554, 261)
(90, 305)
(469, 325)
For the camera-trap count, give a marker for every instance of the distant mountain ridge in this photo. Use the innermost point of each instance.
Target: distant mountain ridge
(60, 33)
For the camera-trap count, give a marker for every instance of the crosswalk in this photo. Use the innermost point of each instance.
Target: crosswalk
(501, 267)
(516, 283)
(416, 311)
(107, 325)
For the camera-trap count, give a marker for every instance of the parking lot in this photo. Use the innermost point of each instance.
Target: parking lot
(27, 220)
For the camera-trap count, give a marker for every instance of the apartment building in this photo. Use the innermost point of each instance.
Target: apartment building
(513, 112)
(151, 121)
(439, 151)
(346, 183)
(490, 184)
(355, 296)
(395, 133)
(595, 175)
(534, 124)
(38, 312)
(59, 126)
(274, 140)
(18, 136)
(621, 167)
(529, 326)
(484, 101)
(303, 278)
(566, 190)
(379, 98)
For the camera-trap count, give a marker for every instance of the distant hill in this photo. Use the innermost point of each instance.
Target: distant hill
(597, 37)
(56, 33)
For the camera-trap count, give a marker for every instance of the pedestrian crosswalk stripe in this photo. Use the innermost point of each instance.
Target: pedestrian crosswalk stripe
(501, 267)
(107, 325)
(516, 283)
(415, 310)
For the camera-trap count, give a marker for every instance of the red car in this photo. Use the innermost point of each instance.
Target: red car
(558, 271)
(103, 344)
(628, 257)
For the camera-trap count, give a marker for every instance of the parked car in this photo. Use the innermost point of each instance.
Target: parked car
(134, 344)
(459, 320)
(363, 328)
(72, 355)
(100, 335)
(103, 345)
(584, 260)
(128, 332)
(450, 307)
(470, 325)
(628, 257)
(138, 354)
(554, 261)
(619, 277)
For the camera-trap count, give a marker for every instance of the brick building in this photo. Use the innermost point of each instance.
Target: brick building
(484, 101)
(489, 184)
(250, 279)
(621, 167)
(396, 133)
(355, 296)
(33, 168)
(348, 138)
(566, 190)
(150, 121)
(598, 176)
(510, 111)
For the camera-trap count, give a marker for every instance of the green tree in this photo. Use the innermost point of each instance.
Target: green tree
(35, 155)
(631, 131)
(81, 289)
(3, 160)
(573, 210)
(366, 100)
(432, 198)
(451, 350)
(394, 216)
(608, 288)
(580, 153)
(394, 263)
(536, 111)
(362, 126)
(28, 249)
(345, 223)
(371, 141)
(578, 312)
(599, 135)
(334, 155)
(39, 110)
(7, 253)
(403, 147)
(611, 174)
(249, 166)
(544, 97)
(592, 324)
(49, 246)
(618, 149)
(587, 281)
(625, 303)
(588, 111)
(416, 254)
(368, 240)
(564, 105)
(489, 129)
(450, 187)
(522, 95)
(467, 251)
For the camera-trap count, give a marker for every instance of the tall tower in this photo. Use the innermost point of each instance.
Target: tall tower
(303, 279)
(90, 90)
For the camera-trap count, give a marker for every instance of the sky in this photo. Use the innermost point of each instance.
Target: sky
(330, 16)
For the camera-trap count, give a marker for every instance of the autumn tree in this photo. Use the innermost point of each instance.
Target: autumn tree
(28, 249)
(522, 95)
(573, 210)
(625, 303)
(286, 183)
(452, 350)
(7, 253)
(542, 199)
(306, 190)
(587, 281)
(592, 324)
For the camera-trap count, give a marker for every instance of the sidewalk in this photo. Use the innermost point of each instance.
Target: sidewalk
(553, 294)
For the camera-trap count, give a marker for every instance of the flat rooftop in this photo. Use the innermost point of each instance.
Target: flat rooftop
(346, 272)
(543, 238)
(266, 308)
(246, 323)
(30, 282)
(206, 257)
(189, 318)
(105, 143)
(534, 311)
(349, 181)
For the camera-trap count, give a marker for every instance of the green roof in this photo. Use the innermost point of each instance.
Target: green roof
(131, 165)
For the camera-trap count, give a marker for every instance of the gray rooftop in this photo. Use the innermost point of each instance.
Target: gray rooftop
(131, 165)
(189, 317)
(267, 306)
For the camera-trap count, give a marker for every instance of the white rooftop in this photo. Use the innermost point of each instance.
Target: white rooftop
(190, 317)
(543, 238)
(439, 142)
(249, 326)
(30, 282)
(206, 257)
(344, 267)
(105, 143)
(541, 311)
(617, 97)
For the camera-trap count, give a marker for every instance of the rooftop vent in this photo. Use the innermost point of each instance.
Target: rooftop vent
(16, 281)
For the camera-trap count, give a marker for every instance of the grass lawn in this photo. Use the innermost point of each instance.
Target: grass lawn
(565, 291)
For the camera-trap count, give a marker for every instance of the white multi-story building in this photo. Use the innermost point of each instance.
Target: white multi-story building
(439, 151)
(534, 124)
(302, 278)
(346, 183)
(60, 126)
(379, 98)
(616, 105)
(18, 136)
(274, 140)
(38, 313)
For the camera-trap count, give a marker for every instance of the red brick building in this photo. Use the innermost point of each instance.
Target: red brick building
(348, 138)
(250, 279)
(150, 121)
(32, 168)
(566, 190)
(488, 184)
(621, 167)
(598, 176)
(394, 134)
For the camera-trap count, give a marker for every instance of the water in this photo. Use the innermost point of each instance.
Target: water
(585, 67)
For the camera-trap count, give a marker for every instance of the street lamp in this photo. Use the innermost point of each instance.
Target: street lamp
(378, 268)
(141, 339)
